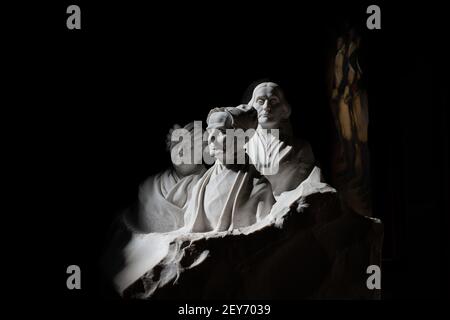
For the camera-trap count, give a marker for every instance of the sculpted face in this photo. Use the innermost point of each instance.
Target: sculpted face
(218, 123)
(234, 125)
(177, 149)
(217, 142)
(270, 105)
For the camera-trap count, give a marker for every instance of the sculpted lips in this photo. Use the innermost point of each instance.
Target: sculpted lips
(265, 114)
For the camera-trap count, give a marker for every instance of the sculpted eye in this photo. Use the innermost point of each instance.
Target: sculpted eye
(260, 101)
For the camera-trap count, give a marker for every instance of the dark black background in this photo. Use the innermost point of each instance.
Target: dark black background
(99, 102)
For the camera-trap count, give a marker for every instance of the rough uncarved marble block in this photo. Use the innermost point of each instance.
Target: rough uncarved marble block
(317, 252)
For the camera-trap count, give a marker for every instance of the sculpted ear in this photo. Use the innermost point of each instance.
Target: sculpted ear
(287, 111)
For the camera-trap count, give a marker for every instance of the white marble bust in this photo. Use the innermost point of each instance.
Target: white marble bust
(228, 196)
(283, 158)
